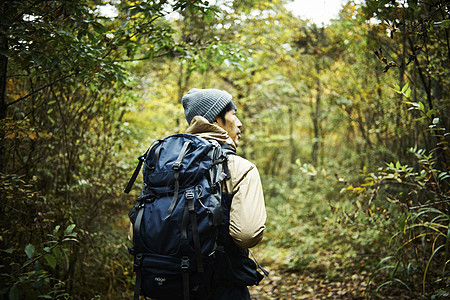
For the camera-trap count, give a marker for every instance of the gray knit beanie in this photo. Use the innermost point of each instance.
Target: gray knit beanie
(207, 103)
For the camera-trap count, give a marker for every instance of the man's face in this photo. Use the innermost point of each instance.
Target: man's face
(232, 125)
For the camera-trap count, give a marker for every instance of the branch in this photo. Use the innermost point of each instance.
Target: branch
(143, 58)
(421, 75)
(20, 15)
(386, 181)
(429, 204)
(38, 90)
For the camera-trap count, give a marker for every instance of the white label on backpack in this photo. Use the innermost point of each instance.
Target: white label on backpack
(160, 280)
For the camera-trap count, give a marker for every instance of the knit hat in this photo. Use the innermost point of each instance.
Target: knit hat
(207, 103)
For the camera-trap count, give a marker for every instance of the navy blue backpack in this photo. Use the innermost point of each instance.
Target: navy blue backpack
(176, 217)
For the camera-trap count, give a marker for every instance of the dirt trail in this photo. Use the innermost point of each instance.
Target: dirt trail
(286, 285)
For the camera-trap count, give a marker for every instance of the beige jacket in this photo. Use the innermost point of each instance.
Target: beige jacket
(248, 212)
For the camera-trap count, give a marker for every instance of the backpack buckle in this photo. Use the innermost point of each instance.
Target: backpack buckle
(185, 263)
(137, 261)
(177, 166)
(190, 194)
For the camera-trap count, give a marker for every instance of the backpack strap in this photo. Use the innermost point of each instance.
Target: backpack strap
(185, 276)
(141, 159)
(190, 197)
(157, 153)
(138, 256)
(177, 166)
(266, 273)
(219, 173)
(138, 270)
(137, 224)
(227, 149)
(185, 259)
(189, 215)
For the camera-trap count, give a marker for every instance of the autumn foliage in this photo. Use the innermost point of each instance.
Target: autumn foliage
(347, 123)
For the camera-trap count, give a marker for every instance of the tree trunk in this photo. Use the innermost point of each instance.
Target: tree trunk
(291, 146)
(315, 119)
(3, 73)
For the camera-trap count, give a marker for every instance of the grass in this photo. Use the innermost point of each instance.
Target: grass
(313, 227)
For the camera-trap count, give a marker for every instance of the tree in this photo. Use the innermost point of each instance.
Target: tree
(417, 187)
(63, 95)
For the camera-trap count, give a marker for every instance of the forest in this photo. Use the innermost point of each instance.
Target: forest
(346, 122)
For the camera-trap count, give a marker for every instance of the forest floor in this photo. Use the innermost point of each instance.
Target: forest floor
(282, 284)
(307, 285)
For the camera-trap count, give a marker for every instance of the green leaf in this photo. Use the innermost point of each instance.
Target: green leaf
(407, 93)
(428, 265)
(14, 293)
(403, 283)
(443, 176)
(57, 253)
(36, 59)
(405, 88)
(51, 119)
(30, 250)
(9, 250)
(63, 33)
(99, 28)
(69, 229)
(382, 285)
(208, 17)
(447, 243)
(50, 260)
(421, 106)
(430, 113)
(396, 88)
(414, 105)
(419, 119)
(443, 23)
(70, 239)
(4, 52)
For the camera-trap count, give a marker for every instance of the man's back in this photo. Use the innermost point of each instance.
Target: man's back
(249, 215)
(244, 219)
(211, 115)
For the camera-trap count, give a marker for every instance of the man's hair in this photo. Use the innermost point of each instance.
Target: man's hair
(230, 106)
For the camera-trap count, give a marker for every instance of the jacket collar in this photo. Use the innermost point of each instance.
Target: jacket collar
(201, 127)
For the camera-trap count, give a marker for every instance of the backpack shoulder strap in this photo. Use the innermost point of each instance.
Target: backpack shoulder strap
(141, 159)
(227, 149)
(177, 166)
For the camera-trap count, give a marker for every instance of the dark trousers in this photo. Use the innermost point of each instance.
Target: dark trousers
(224, 293)
(230, 293)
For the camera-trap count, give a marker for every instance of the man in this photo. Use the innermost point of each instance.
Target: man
(211, 114)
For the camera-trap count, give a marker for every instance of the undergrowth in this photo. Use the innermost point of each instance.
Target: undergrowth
(312, 227)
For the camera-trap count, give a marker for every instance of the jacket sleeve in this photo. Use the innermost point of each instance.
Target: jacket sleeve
(248, 212)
